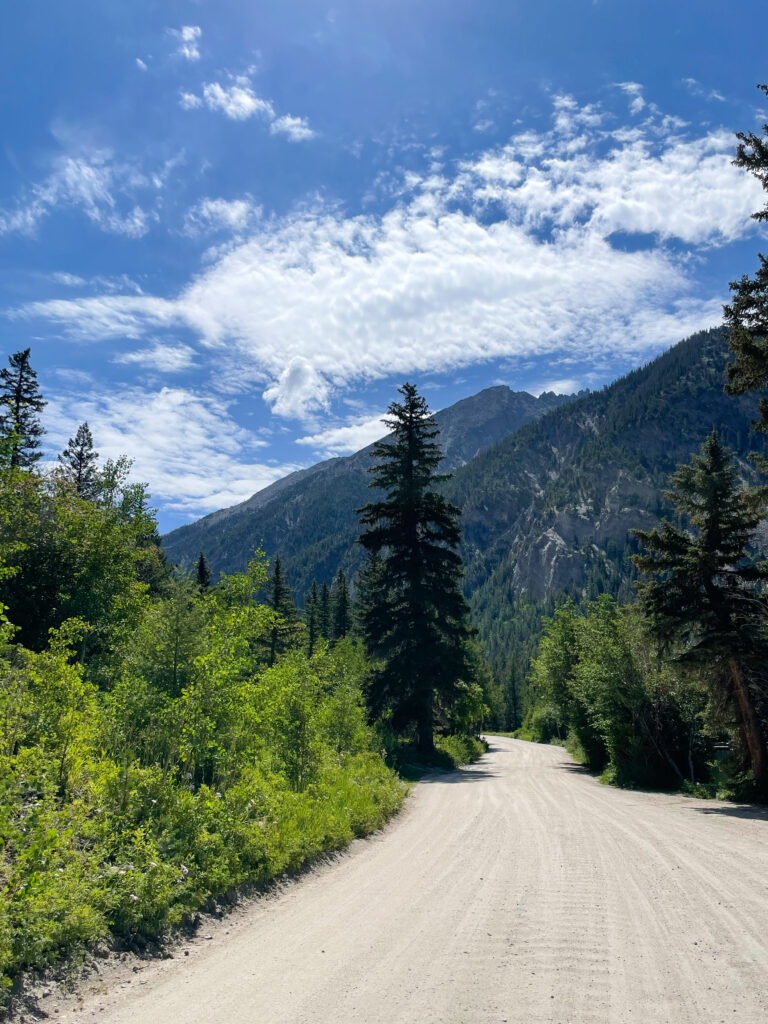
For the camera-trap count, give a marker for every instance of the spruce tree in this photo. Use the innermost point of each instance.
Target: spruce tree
(20, 406)
(747, 316)
(312, 618)
(341, 609)
(78, 461)
(423, 615)
(324, 613)
(280, 600)
(203, 573)
(703, 595)
(370, 588)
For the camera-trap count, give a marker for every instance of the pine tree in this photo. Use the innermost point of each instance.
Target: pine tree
(20, 405)
(341, 609)
(424, 617)
(312, 618)
(324, 613)
(703, 594)
(370, 588)
(747, 317)
(78, 462)
(203, 573)
(279, 598)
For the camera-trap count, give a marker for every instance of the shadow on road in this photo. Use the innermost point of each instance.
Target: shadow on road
(478, 774)
(749, 811)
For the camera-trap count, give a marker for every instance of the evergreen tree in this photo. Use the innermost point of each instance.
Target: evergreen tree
(702, 597)
(324, 613)
(20, 406)
(312, 618)
(370, 588)
(203, 573)
(280, 600)
(78, 462)
(747, 316)
(425, 629)
(341, 609)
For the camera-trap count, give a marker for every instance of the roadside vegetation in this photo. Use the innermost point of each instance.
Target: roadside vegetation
(166, 738)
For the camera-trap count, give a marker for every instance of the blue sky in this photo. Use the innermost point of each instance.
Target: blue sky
(228, 231)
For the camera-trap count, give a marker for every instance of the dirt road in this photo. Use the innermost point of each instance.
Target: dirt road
(519, 890)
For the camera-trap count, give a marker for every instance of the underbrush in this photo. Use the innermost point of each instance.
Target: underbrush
(450, 752)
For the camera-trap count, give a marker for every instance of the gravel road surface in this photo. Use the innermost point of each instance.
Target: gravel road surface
(517, 890)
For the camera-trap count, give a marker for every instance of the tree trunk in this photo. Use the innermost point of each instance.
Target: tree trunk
(750, 725)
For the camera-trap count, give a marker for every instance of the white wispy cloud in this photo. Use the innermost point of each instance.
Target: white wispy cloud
(238, 101)
(104, 188)
(163, 356)
(511, 255)
(634, 92)
(186, 445)
(695, 88)
(140, 64)
(234, 215)
(188, 38)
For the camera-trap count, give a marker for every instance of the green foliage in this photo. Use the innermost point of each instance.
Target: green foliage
(599, 687)
(704, 599)
(198, 769)
(20, 406)
(419, 627)
(747, 316)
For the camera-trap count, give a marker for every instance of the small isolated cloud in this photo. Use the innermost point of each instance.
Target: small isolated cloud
(346, 439)
(188, 37)
(634, 93)
(162, 356)
(564, 386)
(697, 89)
(140, 64)
(299, 390)
(296, 128)
(234, 215)
(238, 101)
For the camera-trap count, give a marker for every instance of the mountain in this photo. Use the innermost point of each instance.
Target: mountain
(548, 511)
(309, 516)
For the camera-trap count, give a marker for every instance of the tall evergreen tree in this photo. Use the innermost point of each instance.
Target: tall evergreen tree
(371, 603)
(747, 316)
(20, 406)
(424, 617)
(324, 613)
(702, 597)
(203, 573)
(312, 618)
(279, 598)
(341, 608)
(78, 461)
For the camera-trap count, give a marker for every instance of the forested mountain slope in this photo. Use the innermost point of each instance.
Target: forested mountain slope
(309, 516)
(548, 510)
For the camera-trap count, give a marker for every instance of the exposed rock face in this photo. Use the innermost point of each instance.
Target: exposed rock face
(309, 516)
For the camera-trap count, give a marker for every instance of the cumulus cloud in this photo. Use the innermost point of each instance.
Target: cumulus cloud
(188, 38)
(345, 439)
(513, 255)
(295, 128)
(238, 101)
(298, 391)
(186, 445)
